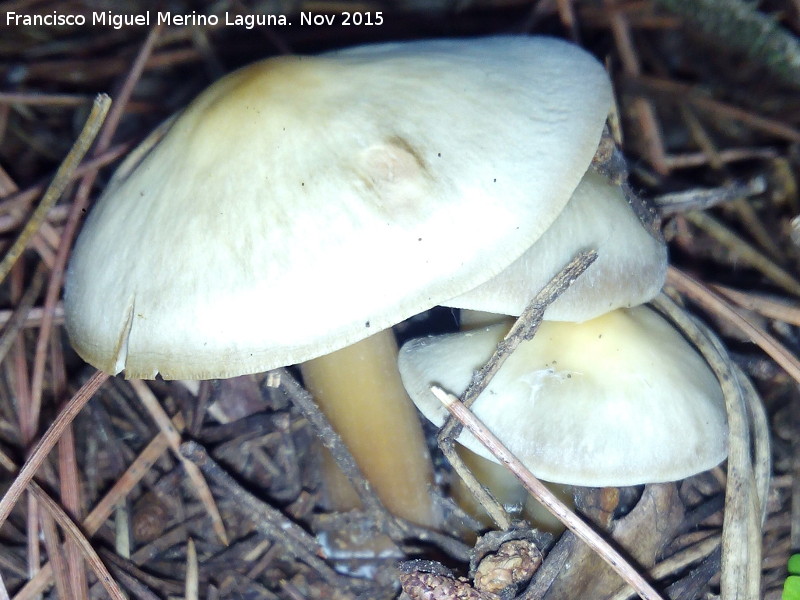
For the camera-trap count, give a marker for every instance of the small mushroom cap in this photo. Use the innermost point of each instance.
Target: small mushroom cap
(630, 268)
(619, 400)
(302, 203)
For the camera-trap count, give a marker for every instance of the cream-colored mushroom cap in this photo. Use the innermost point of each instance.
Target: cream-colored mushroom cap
(630, 268)
(619, 400)
(302, 203)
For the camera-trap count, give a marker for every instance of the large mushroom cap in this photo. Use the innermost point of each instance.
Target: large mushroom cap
(619, 400)
(630, 268)
(302, 203)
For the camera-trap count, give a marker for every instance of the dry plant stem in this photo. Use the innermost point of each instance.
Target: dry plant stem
(545, 496)
(139, 581)
(63, 175)
(72, 531)
(675, 563)
(50, 438)
(33, 318)
(192, 573)
(69, 476)
(702, 199)
(126, 91)
(523, 329)
(28, 419)
(788, 312)
(711, 302)
(21, 199)
(744, 251)
(51, 544)
(700, 136)
(757, 229)
(20, 314)
(164, 423)
(331, 440)
(39, 99)
(759, 431)
(741, 532)
(641, 107)
(688, 160)
(76, 211)
(130, 479)
(269, 521)
(682, 92)
(122, 530)
(566, 12)
(794, 529)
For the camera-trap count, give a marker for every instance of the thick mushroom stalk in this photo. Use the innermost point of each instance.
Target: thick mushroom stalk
(360, 391)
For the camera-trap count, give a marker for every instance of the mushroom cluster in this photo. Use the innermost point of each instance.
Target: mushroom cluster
(607, 393)
(301, 205)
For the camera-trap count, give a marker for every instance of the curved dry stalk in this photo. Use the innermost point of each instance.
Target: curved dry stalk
(741, 532)
(73, 532)
(675, 563)
(759, 432)
(62, 177)
(713, 303)
(744, 251)
(192, 573)
(758, 427)
(46, 443)
(100, 513)
(153, 406)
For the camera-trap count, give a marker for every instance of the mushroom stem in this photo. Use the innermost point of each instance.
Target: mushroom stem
(509, 492)
(360, 391)
(506, 489)
(478, 319)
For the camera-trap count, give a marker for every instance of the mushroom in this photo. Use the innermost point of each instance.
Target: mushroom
(302, 204)
(619, 400)
(630, 268)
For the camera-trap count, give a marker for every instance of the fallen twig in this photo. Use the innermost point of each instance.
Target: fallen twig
(49, 439)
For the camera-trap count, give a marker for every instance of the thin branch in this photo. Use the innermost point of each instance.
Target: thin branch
(741, 540)
(73, 533)
(164, 423)
(344, 459)
(715, 304)
(744, 251)
(45, 445)
(268, 520)
(63, 176)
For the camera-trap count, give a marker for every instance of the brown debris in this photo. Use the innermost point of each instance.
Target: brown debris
(513, 564)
